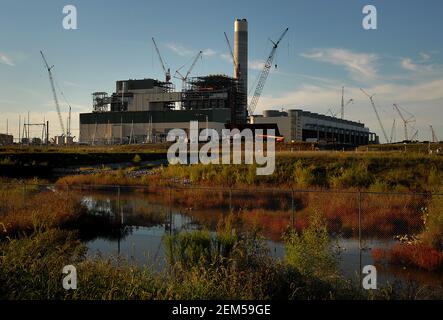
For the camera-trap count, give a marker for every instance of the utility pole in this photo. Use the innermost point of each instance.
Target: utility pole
(47, 133)
(342, 103)
(29, 134)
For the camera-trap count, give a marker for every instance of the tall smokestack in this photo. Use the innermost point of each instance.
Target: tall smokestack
(241, 57)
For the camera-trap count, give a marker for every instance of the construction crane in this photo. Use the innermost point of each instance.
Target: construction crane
(234, 61)
(343, 105)
(166, 71)
(393, 133)
(264, 75)
(371, 98)
(434, 136)
(415, 135)
(184, 78)
(54, 93)
(405, 121)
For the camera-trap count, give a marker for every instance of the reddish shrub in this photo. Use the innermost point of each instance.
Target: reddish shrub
(418, 255)
(379, 255)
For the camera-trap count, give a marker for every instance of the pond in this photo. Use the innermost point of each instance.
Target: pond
(143, 222)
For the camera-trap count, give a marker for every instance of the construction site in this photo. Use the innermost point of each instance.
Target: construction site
(144, 110)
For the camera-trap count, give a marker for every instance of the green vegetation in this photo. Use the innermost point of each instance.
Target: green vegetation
(224, 265)
(377, 172)
(311, 252)
(425, 250)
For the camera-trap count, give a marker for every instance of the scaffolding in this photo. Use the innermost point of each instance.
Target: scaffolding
(213, 92)
(100, 102)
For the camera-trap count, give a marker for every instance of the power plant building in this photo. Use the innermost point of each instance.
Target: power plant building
(300, 125)
(145, 110)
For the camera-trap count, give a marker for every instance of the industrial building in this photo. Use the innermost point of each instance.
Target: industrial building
(6, 139)
(299, 125)
(145, 110)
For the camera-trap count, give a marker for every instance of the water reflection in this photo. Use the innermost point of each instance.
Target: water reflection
(133, 225)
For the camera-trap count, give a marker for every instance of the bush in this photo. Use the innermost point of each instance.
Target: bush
(311, 252)
(433, 221)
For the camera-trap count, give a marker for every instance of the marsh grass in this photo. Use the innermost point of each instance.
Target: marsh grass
(29, 210)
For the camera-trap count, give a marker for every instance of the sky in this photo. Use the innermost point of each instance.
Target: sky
(326, 48)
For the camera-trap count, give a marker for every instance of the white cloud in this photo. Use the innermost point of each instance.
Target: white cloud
(419, 67)
(361, 66)
(209, 52)
(425, 56)
(256, 65)
(179, 49)
(408, 64)
(227, 57)
(4, 59)
(186, 52)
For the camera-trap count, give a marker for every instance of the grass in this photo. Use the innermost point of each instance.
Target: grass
(228, 264)
(377, 172)
(24, 209)
(426, 250)
(30, 268)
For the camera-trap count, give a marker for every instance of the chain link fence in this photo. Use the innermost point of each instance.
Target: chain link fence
(363, 223)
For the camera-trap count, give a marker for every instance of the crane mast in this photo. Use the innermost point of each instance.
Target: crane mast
(264, 75)
(167, 72)
(393, 132)
(234, 61)
(376, 113)
(54, 93)
(405, 121)
(434, 136)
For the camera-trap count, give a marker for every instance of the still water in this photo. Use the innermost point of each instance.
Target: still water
(143, 222)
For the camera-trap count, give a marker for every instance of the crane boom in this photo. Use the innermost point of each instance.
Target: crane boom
(166, 71)
(376, 113)
(184, 78)
(234, 61)
(405, 121)
(264, 75)
(54, 93)
(198, 56)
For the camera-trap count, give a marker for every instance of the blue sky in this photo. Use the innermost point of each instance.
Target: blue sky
(326, 48)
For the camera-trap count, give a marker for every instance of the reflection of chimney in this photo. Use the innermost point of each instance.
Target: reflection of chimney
(241, 55)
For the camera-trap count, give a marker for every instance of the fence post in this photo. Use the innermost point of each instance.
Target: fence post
(170, 211)
(230, 200)
(119, 213)
(359, 240)
(292, 209)
(359, 220)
